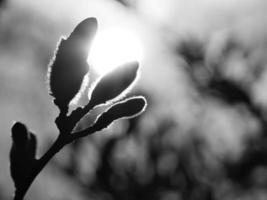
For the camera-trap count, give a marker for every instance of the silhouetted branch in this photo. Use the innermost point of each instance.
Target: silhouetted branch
(66, 74)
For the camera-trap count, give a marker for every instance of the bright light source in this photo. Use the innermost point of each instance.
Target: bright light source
(113, 47)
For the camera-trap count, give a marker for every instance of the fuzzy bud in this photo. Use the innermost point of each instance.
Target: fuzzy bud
(114, 85)
(69, 65)
(128, 108)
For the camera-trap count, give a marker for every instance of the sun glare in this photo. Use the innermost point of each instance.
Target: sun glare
(113, 47)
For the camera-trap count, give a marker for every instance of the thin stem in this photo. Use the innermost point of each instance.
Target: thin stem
(65, 125)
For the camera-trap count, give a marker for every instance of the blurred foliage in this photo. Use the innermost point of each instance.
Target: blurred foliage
(231, 92)
(137, 165)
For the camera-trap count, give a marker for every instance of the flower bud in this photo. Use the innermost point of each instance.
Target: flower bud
(114, 85)
(128, 108)
(69, 65)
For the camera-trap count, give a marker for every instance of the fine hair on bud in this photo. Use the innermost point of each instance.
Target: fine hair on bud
(114, 85)
(127, 108)
(69, 64)
(83, 35)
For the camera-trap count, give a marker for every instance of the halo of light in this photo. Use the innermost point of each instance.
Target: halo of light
(113, 47)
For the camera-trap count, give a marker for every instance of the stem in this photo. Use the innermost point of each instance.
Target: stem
(40, 164)
(65, 125)
(18, 195)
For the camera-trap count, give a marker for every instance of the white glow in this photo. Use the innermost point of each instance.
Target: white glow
(113, 47)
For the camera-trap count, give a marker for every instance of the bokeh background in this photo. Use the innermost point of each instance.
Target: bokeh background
(203, 71)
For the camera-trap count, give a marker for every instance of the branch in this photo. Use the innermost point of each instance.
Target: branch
(39, 165)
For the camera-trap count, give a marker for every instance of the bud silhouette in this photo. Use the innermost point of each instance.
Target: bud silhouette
(66, 75)
(114, 85)
(69, 65)
(20, 135)
(22, 154)
(128, 108)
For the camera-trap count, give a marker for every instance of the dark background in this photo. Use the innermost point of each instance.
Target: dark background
(203, 71)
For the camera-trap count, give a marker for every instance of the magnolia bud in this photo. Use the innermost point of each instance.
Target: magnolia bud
(22, 153)
(128, 108)
(20, 135)
(69, 65)
(114, 85)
